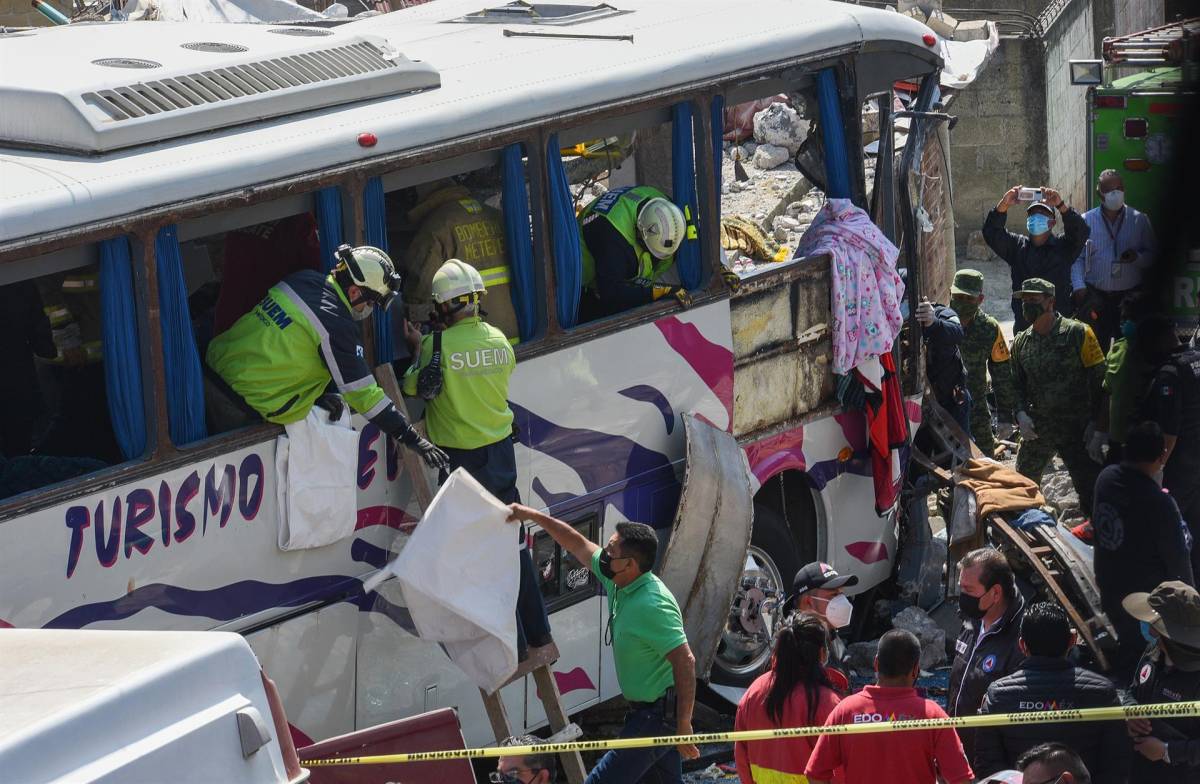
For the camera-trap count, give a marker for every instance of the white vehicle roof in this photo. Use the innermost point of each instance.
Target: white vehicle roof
(487, 80)
(109, 706)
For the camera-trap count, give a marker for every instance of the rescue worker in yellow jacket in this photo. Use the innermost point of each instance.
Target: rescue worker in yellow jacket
(462, 373)
(451, 223)
(629, 239)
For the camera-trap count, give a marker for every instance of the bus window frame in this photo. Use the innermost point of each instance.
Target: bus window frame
(161, 455)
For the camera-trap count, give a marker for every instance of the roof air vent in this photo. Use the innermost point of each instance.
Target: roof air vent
(521, 12)
(126, 62)
(304, 32)
(214, 46)
(197, 86)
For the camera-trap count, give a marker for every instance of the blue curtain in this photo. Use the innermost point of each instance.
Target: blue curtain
(718, 133)
(837, 160)
(329, 223)
(683, 183)
(185, 384)
(564, 232)
(518, 240)
(376, 234)
(122, 357)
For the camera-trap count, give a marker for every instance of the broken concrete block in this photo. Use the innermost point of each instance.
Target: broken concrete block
(916, 13)
(780, 125)
(768, 156)
(973, 30)
(942, 23)
(977, 248)
(932, 637)
(860, 656)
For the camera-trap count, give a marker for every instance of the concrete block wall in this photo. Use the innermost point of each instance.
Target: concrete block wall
(1000, 138)
(19, 13)
(1069, 37)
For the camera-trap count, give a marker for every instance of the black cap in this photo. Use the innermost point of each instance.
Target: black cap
(820, 575)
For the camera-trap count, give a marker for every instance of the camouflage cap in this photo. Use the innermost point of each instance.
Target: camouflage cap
(1036, 286)
(968, 282)
(1172, 609)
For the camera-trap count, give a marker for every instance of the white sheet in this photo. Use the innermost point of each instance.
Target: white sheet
(316, 466)
(459, 573)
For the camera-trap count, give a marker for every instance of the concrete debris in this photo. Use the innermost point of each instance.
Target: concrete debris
(941, 23)
(768, 156)
(598, 189)
(932, 637)
(974, 30)
(787, 223)
(860, 656)
(1059, 491)
(782, 126)
(916, 13)
(781, 234)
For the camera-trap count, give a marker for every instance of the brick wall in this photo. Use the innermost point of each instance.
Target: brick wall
(19, 13)
(1000, 138)
(1069, 37)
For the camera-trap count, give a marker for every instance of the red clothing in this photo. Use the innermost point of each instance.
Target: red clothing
(258, 257)
(911, 757)
(776, 761)
(887, 430)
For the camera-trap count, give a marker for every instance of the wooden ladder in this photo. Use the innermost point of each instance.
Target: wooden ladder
(539, 659)
(537, 664)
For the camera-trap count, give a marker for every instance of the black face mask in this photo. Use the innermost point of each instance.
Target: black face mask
(968, 607)
(605, 565)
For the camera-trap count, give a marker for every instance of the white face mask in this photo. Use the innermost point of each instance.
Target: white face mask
(838, 611)
(364, 313)
(1114, 200)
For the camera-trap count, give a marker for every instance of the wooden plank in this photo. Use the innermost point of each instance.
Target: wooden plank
(413, 465)
(547, 689)
(497, 715)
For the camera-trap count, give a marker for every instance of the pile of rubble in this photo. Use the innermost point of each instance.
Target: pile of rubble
(930, 14)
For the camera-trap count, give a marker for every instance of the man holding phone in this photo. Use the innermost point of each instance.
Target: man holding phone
(1040, 254)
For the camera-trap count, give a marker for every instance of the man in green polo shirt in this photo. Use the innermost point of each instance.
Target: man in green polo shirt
(655, 666)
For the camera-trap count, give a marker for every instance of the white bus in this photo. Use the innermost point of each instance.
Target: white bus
(149, 170)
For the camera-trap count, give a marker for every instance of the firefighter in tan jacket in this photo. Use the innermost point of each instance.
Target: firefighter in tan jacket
(453, 224)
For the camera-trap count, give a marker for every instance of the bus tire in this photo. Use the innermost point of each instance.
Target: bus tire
(744, 653)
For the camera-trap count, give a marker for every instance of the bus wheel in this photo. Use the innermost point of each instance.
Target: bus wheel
(771, 561)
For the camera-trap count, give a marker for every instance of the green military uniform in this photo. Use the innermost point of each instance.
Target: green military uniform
(984, 350)
(1127, 375)
(472, 409)
(1057, 379)
(454, 225)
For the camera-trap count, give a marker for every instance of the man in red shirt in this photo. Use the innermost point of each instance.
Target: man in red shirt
(910, 757)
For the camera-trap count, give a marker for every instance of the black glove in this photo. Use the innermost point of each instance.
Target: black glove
(332, 403)
(433, 456)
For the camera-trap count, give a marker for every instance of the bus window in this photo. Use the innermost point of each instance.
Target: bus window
(767, 201)
(55, 422)
(230, 270)
(457, 210)
(563, 580)
(632, 225)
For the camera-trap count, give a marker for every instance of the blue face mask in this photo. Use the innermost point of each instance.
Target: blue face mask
(1128, 329)
(1146, 631)
(1037, 224)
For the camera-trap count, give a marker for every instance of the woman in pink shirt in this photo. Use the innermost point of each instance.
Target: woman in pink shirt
(795, 692)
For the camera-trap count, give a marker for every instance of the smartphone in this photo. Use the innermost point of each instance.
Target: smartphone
(1029, 194)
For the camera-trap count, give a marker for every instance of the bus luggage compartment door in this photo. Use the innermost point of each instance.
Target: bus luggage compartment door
(709, 537)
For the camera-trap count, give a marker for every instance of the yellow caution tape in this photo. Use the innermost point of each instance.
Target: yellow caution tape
(1168, 710)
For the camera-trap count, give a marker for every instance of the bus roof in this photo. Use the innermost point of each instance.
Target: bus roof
(488, 81)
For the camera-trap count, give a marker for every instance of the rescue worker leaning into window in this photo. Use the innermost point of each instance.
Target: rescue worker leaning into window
(451, 223)
(629, 238)
(300, 346)
(462, 372)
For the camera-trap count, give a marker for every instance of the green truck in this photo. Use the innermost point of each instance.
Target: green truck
(1137, 98)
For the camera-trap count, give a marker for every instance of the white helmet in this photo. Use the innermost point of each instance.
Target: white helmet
(454, 279)
(661, 226)
(371, 270)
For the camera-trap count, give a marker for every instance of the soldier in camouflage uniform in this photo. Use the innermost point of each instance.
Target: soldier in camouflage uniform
(983, 350)
(1057, 369)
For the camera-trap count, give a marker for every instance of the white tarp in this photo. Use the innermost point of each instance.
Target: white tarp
(459, 573)
(963, 60)
(244, 11)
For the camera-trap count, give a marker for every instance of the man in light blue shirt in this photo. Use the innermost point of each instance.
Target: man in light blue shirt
(1119, 250)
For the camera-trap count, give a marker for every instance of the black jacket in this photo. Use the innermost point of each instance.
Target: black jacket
(1155, 681)
(978, 664)
(1051, 260)
(944, 364)
(1048, 683)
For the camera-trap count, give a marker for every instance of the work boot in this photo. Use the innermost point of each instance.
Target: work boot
(1084, 531)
